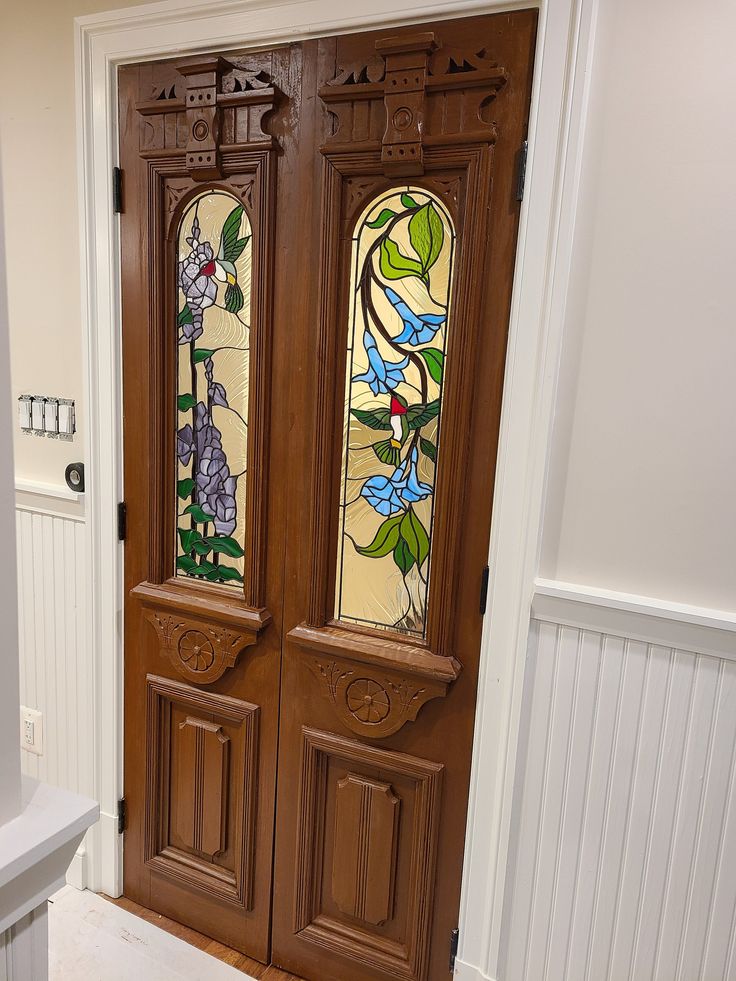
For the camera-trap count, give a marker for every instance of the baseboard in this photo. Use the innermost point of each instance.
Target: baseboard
(660, 622)
(468, 972)
(77, 872)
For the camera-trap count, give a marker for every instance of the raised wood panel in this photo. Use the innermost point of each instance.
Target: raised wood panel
(625, 855)
(202, 789)
(365, 813)
(366, 829)
(200, 806)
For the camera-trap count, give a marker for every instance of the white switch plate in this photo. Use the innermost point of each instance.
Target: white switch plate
(31, 730)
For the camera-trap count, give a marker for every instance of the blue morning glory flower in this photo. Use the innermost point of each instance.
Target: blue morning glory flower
(389, 495)
(418, 328)
(382, 376)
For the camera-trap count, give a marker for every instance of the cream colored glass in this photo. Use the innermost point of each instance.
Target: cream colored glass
(402, 260)
(213, 277)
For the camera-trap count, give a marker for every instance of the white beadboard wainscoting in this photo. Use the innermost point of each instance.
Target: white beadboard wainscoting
(623, 862)
(56, 671)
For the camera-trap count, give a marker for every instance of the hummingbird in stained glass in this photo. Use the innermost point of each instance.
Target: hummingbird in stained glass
(222, 266)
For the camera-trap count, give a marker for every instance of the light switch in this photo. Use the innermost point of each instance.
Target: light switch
(51, 416)
(66, 418)
(24, 412)
(37, 413)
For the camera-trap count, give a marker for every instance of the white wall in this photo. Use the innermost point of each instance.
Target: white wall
(38, 153)
(644, 468)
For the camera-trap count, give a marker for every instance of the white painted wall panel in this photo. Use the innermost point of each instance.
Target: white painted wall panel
(55, 667)
(624, 861)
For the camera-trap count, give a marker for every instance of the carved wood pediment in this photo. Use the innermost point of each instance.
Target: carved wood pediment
(397, 100)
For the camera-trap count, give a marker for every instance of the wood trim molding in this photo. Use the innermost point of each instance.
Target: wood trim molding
(686, 628)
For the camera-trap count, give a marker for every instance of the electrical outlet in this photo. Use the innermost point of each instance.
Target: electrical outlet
(31, 730)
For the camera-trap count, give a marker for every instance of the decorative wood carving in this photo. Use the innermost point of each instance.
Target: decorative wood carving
(200, 636)
(203, 85)
(398, 100)
(366, 833)
(209, 99)
(196, 831)
(361, 858)
(376, 685)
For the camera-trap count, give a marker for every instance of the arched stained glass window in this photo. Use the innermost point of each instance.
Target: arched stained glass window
(213, 276)
(402, 260)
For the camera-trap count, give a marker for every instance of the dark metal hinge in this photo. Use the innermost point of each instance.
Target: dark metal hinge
(122, 815)
(117, 191)
(122, 521)
(454, 938)
(484, 590)
(521, 171)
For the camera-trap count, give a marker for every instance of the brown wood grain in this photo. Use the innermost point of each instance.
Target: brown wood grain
(355, 868)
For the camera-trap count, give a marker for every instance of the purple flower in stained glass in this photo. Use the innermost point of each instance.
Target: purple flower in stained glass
(184, 444)
(382, 376)
(196, 272)
(389, 495)
(418, 328)
(215, 390)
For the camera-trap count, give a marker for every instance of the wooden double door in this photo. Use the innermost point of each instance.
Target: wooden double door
(317, 251)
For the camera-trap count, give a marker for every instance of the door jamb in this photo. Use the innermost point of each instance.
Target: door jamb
(541, 277)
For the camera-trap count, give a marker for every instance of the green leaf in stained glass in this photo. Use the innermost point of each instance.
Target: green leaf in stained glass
(394, 264)
(225, 544)
(188, 537)
(185, 316)
(223, 573)
(408, 201)
(199, 514)
(385, 540)
(384, 217)
(185, 402)
(403, 557)
(428, 448)
(184, 488)
(415, 535)
(201, 354)
(435, 361)
(186, 563)
(426, 235)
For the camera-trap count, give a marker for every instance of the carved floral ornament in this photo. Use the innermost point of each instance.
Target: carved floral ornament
(370, 701)
(411, 75)
(199, 646)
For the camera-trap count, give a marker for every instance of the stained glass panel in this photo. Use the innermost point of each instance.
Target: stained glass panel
(402, 260)
(213, 277)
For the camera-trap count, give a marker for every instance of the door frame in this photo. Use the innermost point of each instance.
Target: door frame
(557, 126)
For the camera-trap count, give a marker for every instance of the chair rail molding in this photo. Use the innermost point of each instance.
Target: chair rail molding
(556, 127)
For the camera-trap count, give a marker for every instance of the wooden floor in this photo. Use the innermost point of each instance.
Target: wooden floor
(232, 957)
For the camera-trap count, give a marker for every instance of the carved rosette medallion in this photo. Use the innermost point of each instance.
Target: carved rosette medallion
(377, 702)
(368, 701)
(198, 650)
